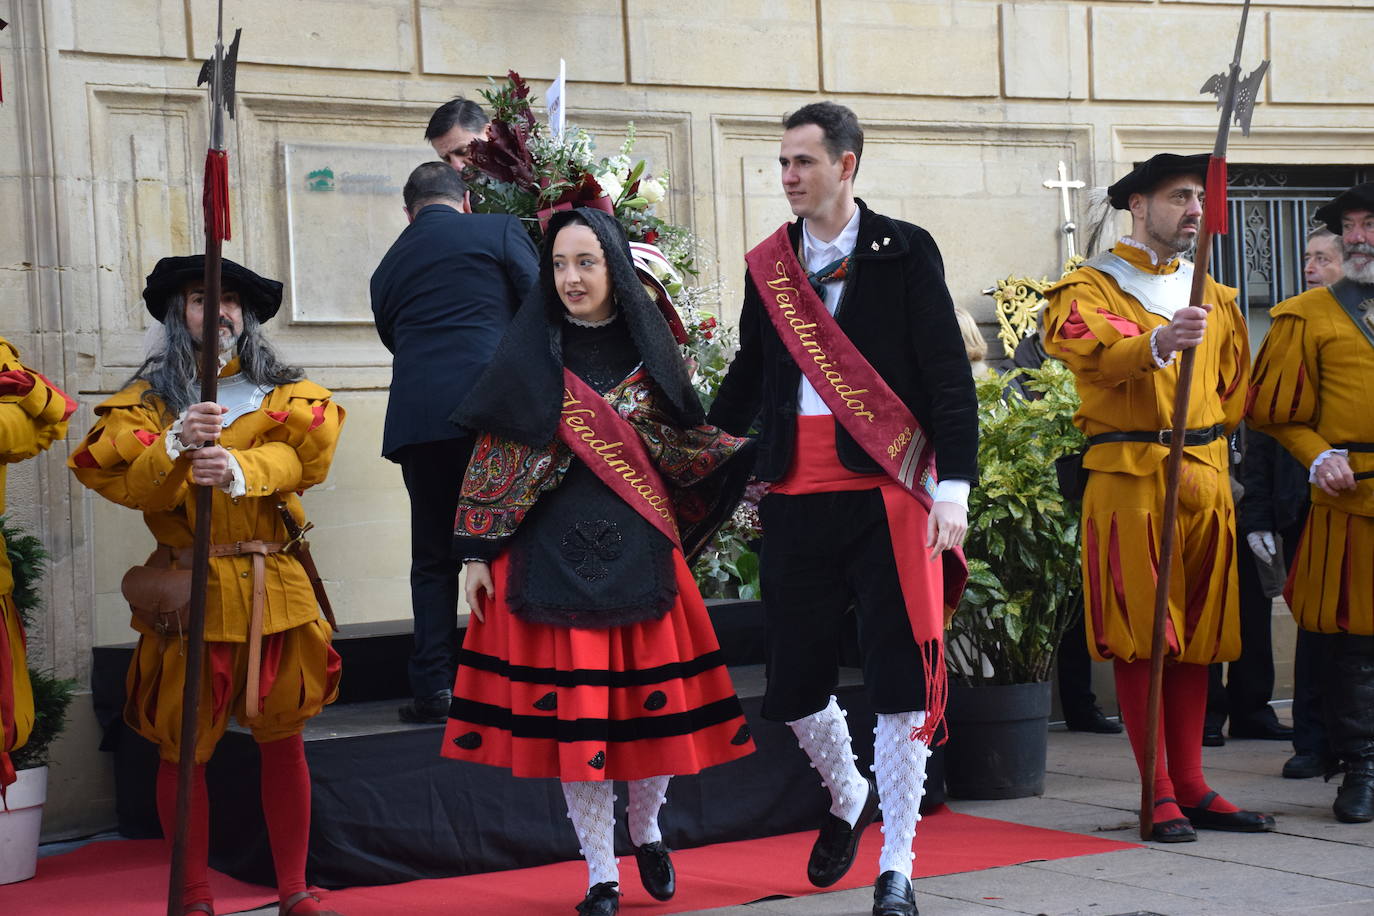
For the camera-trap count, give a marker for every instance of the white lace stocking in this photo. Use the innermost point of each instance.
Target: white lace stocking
(825, 738)
(591, 807)
(900, 765)
(646, 798)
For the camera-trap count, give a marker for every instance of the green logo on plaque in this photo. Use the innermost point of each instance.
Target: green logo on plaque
(320, 180)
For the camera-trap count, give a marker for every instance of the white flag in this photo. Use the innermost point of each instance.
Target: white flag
(555, 102)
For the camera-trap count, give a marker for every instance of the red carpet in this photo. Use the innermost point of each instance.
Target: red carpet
(90, 879)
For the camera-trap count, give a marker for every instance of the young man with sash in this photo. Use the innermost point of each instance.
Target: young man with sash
(33, 415)
(268, 658)
(1313, 387)
(1118, 322)
(852, 362)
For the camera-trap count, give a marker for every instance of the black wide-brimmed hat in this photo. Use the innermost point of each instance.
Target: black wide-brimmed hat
(258, 294)
(1360, 197)
(1145, 177)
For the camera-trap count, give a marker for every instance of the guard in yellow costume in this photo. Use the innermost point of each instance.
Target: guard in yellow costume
(33, 415)
(1314, 392)
(1119, 322)
(268, 654)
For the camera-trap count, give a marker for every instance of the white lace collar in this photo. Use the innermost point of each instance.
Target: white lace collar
(584, 323)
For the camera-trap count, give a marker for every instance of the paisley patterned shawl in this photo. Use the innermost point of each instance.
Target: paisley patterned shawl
(705, 469)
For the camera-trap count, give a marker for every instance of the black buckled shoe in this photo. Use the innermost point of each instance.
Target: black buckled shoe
(1355, 800)
(1175, 830)
(1234, 821)
(427, 710)
(656, 870)
(1091, 720)
(893, 896)
(834, 849)
(602, 900)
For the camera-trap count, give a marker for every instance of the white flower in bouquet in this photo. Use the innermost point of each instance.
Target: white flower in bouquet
(611, 184)
(652, 190)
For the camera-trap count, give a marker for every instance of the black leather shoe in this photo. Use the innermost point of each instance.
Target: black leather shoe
(427, 710)
(1234, 821)
(602, 900)
(1267, 729)
(1175, 830)
(1092, 720)
(1212, 736)
(834, 850)
(893, 896)
(656, 870)
(1355, 799)
(1304, 766)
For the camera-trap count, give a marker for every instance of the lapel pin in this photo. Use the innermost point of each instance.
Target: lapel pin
(886, 240)
(875, 246)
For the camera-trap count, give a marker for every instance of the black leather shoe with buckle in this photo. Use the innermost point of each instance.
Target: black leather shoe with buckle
(656, 870)
(893, 896)
(834, 849)
(1175, 830)
(602, 900)
(1233, 821)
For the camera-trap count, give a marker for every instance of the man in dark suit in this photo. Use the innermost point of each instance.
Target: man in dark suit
(830, 521)
(442, 297)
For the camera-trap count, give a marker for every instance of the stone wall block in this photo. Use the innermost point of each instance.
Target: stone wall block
(489, 37)
(1308, 54)
(766, 45)
(142, 28)
(1045, 51)
(338, 34)
(910, 47)
(1166, 54)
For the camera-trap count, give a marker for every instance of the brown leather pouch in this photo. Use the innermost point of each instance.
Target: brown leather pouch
(159, 597)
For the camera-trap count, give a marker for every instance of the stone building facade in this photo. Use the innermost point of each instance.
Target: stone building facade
(969, 106)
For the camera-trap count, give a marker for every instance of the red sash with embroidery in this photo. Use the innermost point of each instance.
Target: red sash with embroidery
(605, 442)
(887, 431)
(856, 394)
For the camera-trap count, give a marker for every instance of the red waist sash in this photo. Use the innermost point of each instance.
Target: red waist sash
(605, 442)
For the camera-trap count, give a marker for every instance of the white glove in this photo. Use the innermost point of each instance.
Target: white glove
(1262, 545)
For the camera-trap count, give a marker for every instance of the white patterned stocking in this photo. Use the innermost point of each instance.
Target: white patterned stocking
(900, 765)
(591, 809)
(646, 798)
(824, 736)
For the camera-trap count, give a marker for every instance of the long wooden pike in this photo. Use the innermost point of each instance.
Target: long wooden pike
(1236, 99)
(219, 72)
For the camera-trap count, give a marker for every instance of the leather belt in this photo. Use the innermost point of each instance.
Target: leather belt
(1191, 437)
(259, 551)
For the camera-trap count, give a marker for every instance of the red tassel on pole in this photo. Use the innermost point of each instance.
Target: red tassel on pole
(1216, 211)
(216, 197)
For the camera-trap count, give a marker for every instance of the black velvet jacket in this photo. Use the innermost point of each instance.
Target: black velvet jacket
(896, 309)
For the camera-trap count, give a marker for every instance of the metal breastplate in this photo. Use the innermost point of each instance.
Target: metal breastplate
(1160, 294)
(240, 395)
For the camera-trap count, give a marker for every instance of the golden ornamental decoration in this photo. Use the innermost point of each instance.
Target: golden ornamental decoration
(1018, 301)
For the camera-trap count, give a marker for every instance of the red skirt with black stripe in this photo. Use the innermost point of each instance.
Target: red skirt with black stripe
(630, 702)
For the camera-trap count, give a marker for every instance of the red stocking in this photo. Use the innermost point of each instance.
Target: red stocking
(286, 807)
(197, 833)
(1185, 707)
(1133, 693)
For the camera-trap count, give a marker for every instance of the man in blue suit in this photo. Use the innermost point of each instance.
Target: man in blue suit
(442, 298)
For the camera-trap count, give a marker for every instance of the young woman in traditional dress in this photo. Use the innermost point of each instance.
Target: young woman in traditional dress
(590, 656)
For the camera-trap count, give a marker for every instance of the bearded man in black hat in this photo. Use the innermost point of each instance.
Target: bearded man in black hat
(1119, 323)
(1314, 383)
(270, 436)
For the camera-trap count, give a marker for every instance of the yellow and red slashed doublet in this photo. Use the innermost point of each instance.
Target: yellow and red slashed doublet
(33, 415)
(284, 447)
(642, 699)
(1103, 335)
(1314, 390)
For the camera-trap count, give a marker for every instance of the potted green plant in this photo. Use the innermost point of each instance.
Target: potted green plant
(21, 817)
(1023, 589)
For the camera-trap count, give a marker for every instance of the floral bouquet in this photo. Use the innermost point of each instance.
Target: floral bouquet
(524, 170)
